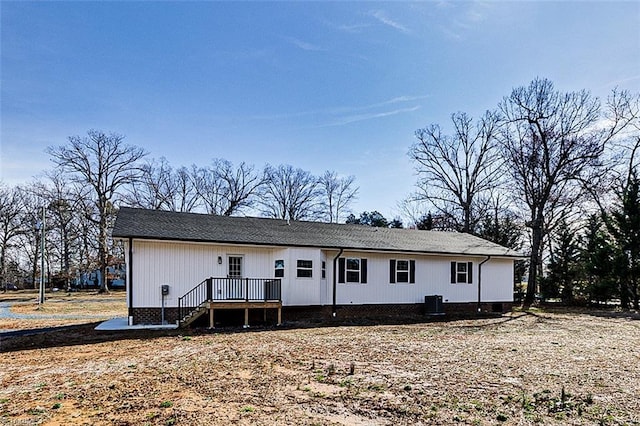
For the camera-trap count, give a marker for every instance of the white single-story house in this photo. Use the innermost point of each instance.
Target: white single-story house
(184, 265)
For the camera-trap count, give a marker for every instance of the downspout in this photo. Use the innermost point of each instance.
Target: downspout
(130, 281)
(480, 280)
(335, 275)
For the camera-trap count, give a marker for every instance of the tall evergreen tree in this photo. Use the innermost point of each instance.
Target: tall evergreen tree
(623, 223)
(564, 266)
(597, 258)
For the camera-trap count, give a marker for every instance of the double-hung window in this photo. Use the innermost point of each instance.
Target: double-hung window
(305, 269)
(402, 271)
(279, 268)
(461, 272)
(352, 270)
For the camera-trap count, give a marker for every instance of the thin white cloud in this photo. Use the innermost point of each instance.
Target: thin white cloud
(382, 17)
(464, 18)
(346, 111)
(477, 11)
(401, 99)
(353, 28)
(369, 116)
(396, 100)
(622, 81)
(304, 45)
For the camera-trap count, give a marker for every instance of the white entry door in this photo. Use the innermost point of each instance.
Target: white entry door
(234, 273)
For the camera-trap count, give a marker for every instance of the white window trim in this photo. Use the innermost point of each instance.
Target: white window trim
(241, 256)
(277, 268)
(468, 273)
(347, 270)
(460, 273)
(407, 271)
(303, 268)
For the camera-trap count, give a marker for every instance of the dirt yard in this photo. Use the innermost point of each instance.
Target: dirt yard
(20, 310)
(533, 368)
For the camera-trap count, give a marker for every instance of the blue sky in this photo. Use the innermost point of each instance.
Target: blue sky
(322, 86)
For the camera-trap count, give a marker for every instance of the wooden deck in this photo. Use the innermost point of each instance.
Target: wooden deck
(243, 304)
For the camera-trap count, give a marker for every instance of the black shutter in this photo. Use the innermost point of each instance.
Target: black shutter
(469, 272)
(341, 270)
(412, 271)
(453, 272)
(363, 271)
(392, 271)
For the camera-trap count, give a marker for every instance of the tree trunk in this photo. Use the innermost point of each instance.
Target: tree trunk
(34, 270)
(624, 293)
(102, 253)
(466, 220)
(567, 292)
(536, 245)
(2, 264)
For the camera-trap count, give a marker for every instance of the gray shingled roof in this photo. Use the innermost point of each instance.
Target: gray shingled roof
(164, 225)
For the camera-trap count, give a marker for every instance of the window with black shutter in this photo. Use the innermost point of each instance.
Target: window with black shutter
(402, 271)
(461, 272)
(352, 270)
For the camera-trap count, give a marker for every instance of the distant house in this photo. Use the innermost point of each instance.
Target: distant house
(116, 275)
(184, 265)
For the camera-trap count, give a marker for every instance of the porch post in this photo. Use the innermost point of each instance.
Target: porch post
(211, 322)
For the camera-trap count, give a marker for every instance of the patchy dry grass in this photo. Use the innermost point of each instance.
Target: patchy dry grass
(77, 304)
(60, 308)
(544, 368)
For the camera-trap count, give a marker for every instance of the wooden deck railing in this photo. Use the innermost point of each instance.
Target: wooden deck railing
(229, 289)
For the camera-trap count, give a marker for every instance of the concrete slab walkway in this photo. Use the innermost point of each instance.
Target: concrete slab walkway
(123, 324)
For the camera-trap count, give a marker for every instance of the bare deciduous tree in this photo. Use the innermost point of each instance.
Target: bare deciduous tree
(456, 170)
(11, 226)
(31, 237)
(224, 189)
(241, 185)
(62, 206)
(156, 188)
(106, 165)
(337, 195)
(185, 198)
(290, 193)
(552, 142)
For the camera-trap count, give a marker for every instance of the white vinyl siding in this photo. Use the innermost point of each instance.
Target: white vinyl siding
(303, 291)
(432, 277)
(184, 265)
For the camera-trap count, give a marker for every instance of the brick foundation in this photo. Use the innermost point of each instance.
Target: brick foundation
(369, 313)
(153, 315)
(389, 311)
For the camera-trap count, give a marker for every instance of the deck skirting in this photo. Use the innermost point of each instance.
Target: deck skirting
(243, 304)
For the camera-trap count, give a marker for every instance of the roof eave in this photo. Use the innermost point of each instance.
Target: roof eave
(336, 247)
